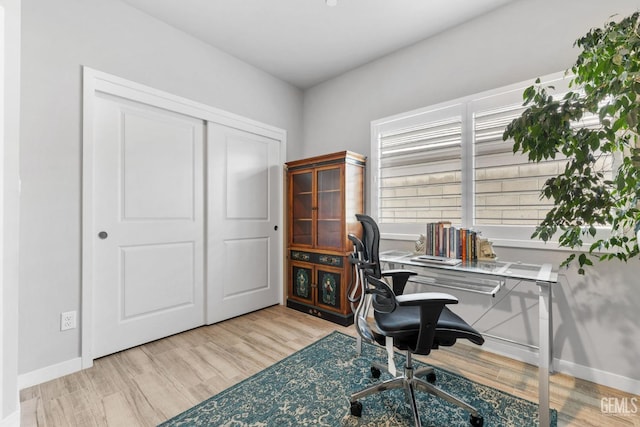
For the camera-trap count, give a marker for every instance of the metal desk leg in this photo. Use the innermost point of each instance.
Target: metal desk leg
(545, 362)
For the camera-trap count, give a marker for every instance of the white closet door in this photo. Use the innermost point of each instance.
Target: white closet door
(148, 221)
(244, 232)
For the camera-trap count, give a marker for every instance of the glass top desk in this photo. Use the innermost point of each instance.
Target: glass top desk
(488, 277)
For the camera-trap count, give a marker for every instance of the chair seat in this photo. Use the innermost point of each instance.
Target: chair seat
(403, 324)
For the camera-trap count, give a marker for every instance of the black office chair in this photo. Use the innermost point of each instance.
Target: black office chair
(415, 323)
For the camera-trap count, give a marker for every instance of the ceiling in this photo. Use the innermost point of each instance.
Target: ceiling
(305, 42)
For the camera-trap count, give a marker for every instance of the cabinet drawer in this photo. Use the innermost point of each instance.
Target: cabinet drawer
(300, 256)
(315, 258)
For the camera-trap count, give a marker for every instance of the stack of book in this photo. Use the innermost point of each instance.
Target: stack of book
(444, 240)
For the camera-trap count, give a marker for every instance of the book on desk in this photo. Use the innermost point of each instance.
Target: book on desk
(443, 242)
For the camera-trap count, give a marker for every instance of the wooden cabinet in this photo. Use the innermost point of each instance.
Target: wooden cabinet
(324, 195)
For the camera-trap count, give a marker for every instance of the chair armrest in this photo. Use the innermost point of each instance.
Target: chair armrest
(397, 272)
(432, 297)
(399, 279)
(431, 305)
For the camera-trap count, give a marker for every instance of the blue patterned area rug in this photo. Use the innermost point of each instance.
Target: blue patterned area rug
(312, 387)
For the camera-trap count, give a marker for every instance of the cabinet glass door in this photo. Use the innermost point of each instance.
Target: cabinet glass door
(329, 221)
(302, 204)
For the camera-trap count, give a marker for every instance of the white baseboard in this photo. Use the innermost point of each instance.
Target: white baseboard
(12, 420)
(513, 351)
(530, 355)
(49, 373)
(597, 376)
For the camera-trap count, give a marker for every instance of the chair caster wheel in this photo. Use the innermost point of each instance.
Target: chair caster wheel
(431, 378)
(375, 372)
(356, 409)
(476, 421)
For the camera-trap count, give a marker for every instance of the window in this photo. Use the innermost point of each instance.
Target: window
(449, 162)
(419, 171)
(506, 186)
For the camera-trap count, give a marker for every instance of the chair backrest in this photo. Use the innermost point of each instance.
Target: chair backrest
(371, 241)
(378, 295)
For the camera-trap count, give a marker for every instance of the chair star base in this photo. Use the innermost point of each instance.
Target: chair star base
(411, 383)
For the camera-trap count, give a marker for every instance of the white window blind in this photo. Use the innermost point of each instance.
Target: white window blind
(506, 185)
(420, 172)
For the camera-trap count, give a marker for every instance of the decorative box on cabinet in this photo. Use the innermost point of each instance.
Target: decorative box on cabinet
(324, 195)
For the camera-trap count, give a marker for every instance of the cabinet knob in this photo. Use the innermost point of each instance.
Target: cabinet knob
(275, 228)
(103, 235)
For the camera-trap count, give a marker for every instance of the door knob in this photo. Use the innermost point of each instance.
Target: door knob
(103, 235)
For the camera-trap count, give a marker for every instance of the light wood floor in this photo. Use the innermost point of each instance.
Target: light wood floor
(151, 383)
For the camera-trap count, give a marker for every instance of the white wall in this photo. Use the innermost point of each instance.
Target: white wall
(597, 326)
(58, 38)
(9, 209)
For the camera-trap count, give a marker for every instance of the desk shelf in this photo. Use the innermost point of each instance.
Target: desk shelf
(479, 286)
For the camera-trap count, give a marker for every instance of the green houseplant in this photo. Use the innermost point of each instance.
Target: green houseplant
(605, 81)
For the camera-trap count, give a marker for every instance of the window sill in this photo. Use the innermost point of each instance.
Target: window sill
(497, 242)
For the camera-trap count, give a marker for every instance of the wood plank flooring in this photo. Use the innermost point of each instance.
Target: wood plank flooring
(146, 385)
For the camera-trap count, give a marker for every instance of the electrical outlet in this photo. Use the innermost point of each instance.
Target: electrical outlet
(67, 320)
